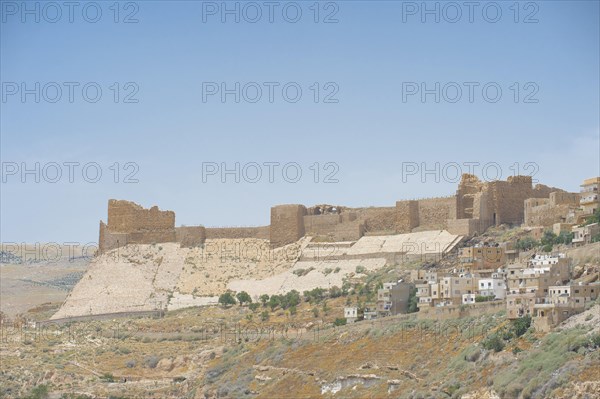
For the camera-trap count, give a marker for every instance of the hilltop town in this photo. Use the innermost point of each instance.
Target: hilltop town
(506, 264)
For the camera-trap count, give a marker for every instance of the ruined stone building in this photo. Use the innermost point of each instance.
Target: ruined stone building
(476, 206)
(561, 209)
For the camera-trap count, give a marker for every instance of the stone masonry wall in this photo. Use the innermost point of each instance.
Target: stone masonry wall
(238, 232)
(378, 219)
(559, 208)
(321, 224)
(476, 206)
(287, 224)
(129, 223)
(434, 212)
(190, 236)
(407, 216)
(125, 217)
(509, 197)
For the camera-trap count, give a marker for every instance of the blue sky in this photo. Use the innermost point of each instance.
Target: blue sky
(370, 58)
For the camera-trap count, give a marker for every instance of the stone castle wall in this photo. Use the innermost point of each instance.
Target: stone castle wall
(190, 236)
(378, 219)
(129, 223)
(434, 212)
(476, 206)
(238, 232)
(407, 216)
(287, 224)
(126, 217)
(560, 207)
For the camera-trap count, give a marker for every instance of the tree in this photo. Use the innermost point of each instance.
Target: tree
(595, 218)
(264, 316)
(290, 299)
(335, 292)
(264, 298)
(564, 237)
(254, 306)
(339, 322)
(227, 299)
(521, 325)
(274, 302)
(549, 238)
(413, 301)
(315, 295)
(493, 342)
(243, 297)
(525, 244)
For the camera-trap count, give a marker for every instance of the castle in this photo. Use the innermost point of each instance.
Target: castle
(476, 206)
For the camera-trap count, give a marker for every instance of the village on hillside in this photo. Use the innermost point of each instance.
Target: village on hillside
(526, 274)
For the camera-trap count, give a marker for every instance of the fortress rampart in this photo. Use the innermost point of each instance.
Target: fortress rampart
(560, 207)
(476, 206)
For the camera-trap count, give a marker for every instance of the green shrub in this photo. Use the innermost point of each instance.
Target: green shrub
(595, 218)
(264, 316)
(274, 301)
(413, 300)
(254, 306)
(548, 238)
(525, 244)
(360, 269)
(596, 340)
(516, 350)
(564, 238)
(107, 377)
(151, 361)
(506, 334)
(340, 321)
(335, 292)
(547, 248)
(493, 342)
(39, 392)
(471, 354)
(482, 298)
(303, 272)
(264, 298)
(521, 325)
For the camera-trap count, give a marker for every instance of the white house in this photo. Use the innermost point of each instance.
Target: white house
(468, 299)
(492, 286)
(351, 314)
